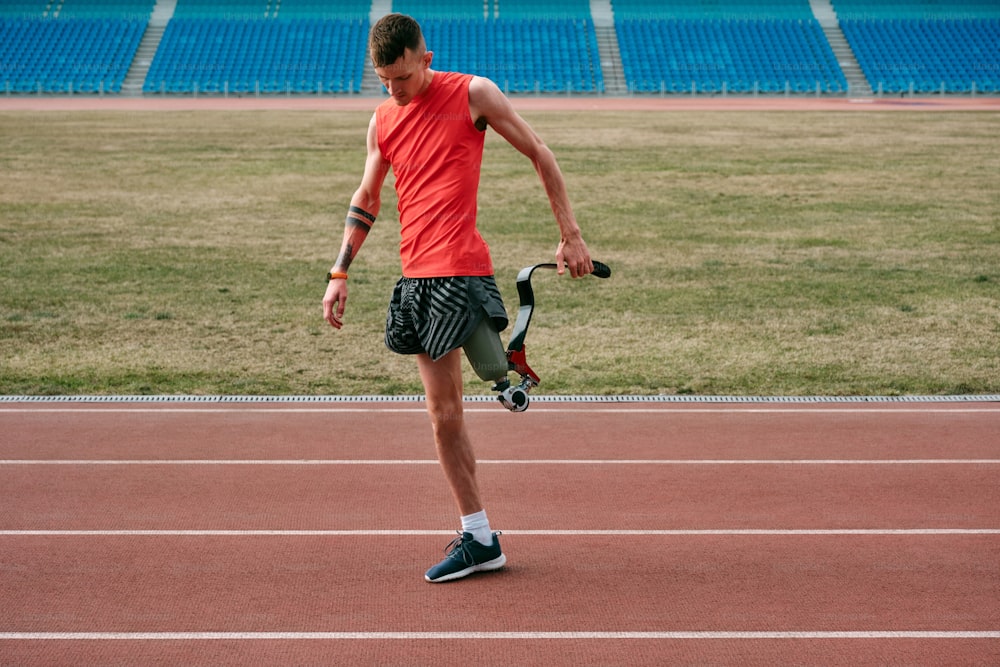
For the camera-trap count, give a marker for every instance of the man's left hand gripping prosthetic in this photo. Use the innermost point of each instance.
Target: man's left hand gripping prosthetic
(484, 349)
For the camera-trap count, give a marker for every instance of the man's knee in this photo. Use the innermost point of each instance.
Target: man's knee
(446, 416)
(443, 384)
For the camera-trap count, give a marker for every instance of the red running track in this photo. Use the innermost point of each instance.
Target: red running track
(298, 533)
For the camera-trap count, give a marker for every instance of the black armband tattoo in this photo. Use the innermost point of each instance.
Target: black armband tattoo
(358, 217)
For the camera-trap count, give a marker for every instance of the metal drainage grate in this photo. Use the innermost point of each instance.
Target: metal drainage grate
(976, 398)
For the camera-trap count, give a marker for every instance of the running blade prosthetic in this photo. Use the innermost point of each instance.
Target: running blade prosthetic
(515, 397)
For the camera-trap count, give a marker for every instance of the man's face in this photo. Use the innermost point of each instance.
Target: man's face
(406, 78)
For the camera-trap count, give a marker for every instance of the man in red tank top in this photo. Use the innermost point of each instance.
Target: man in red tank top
(430, 132)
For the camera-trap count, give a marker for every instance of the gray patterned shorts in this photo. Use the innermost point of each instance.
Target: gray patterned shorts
(437, 315)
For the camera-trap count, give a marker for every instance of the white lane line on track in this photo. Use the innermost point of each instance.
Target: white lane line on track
(406, 462)
(597, 407)
(525, 635)
(569, 533)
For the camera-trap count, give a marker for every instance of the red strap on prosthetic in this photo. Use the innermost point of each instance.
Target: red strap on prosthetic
(517, 363)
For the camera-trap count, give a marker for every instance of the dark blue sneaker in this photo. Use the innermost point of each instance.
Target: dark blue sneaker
(466, 556)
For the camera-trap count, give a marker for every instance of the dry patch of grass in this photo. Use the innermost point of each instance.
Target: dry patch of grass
(754, 253)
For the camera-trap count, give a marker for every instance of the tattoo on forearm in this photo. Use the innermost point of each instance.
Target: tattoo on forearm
(364, 214)
(359, 223)
(344, 259)
(360, 219)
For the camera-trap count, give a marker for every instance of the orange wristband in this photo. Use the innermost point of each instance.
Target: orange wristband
(335, 276)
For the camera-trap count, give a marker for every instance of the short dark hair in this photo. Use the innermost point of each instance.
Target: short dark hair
(391, 36)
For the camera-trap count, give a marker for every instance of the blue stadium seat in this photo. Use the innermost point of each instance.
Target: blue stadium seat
(543, 9)
(927, 56)
(712, 9)
(221, 9)
(35, 9)
(268, 56)
(557, 55)
(322, 9)
(138, 10)
(732, 55)
(525, 46)
(443, 9)
(55, 55)
(916, 9)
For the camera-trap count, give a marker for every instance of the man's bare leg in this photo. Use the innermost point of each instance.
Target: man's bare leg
(443, 385)
(477, 549)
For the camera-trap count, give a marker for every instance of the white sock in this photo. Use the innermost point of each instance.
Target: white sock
(479, 526)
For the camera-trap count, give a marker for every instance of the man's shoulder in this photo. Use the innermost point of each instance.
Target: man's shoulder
(454, 78)
(485, 96)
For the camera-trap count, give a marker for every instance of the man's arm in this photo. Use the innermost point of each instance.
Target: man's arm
(364, 208)
(487, 102)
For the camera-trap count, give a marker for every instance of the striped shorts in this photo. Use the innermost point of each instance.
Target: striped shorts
(437, 315)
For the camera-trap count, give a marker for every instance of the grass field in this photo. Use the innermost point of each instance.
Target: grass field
(771, 253)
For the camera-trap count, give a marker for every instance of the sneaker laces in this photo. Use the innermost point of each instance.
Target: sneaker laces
(459, 545)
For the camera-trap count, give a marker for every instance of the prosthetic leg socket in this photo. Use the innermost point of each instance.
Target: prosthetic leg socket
(486, 354)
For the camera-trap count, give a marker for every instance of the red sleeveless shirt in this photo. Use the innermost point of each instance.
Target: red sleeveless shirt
(436, 152)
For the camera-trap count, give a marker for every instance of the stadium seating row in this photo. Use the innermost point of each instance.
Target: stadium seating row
(259, 56)
(37, 9)
(327, 55)
(548, 9)
(521, 55)
(543, 46)
(712, 9)
(916, 9)
(924, 56)
(262, 9)
(445, 9)
(740, 56)
(63, 56)
(486, 9)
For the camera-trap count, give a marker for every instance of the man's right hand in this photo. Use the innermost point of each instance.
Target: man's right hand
(334, 302)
